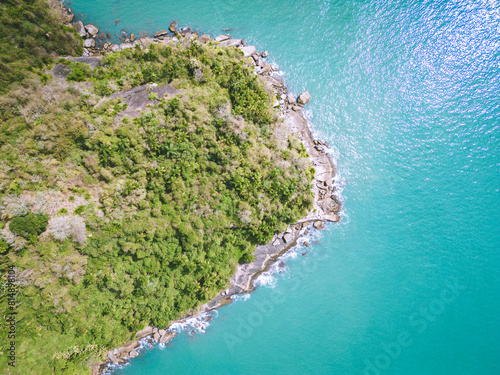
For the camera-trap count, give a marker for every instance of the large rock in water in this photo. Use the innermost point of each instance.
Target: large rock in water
(161, 33)
(80, 29)
(91, 29)
(304, 97)
(173, 26)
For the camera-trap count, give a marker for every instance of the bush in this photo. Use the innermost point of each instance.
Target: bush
(77, 75)
(29, 225)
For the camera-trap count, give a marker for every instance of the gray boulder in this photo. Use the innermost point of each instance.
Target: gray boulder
(133, 354)
(173, 26)
(330, 205)
(92, 30)
(205, 38)
(89, 43)
(231, 43)
(126, 45)
(222, 38)
(161, 33)
(80, 29)
(318, 224)
(304, 97)
(248, 50)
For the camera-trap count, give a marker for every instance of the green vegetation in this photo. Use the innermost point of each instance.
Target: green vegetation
(147, 217)
(29, 226)
(31, 35)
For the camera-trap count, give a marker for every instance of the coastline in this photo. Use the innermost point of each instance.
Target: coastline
(325, 209)
(325, 206)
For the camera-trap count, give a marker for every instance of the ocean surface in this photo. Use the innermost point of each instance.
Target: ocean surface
(408, 95)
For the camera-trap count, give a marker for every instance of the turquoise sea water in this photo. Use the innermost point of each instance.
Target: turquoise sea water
(408, 95)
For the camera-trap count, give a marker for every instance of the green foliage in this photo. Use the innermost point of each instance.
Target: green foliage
(4, 247)
(30, 33)
(176, 197)
(29, 225)
(79, 210)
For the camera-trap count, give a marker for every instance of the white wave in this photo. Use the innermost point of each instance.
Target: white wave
(195, 324)
(265, 279)
(240, 297)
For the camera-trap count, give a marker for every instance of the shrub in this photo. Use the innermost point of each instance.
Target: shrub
(4, 247)
(77, 75)
(29, 225)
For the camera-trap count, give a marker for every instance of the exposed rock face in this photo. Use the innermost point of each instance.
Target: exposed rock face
(264, 54)
(80, 29)
(173, 26)
(222, 38)
(133, 354)
(304, 97)
(89, 43)
(92, 30)
(161, 33)
(248, 50)
(132, 37)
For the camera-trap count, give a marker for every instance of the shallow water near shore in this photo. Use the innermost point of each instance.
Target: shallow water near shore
(408, 95)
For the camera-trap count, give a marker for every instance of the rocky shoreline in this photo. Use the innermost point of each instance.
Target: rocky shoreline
(325, 207)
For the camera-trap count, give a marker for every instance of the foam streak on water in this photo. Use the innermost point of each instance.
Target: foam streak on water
(408, 95)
